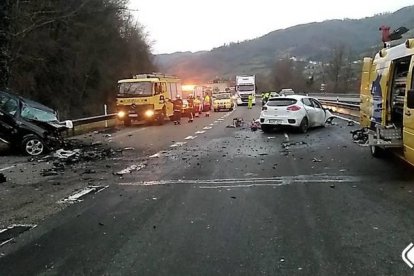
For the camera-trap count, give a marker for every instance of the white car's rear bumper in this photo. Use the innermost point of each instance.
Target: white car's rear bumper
(280, 121)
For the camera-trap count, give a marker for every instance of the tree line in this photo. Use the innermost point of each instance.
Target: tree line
(69, 54)
(339, 73)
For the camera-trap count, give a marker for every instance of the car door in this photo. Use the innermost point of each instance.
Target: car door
(408, 121)
(310, 111)
(320, 117)
(8, 112)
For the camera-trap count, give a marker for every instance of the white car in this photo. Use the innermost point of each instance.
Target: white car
(297, 111)
(286, 92)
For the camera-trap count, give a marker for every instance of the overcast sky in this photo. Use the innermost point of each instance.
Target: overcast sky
(185, 25)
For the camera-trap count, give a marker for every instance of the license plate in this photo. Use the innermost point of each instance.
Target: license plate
(275, 121)
(133, 115)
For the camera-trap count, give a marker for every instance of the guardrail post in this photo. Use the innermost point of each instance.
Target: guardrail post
(106, 113)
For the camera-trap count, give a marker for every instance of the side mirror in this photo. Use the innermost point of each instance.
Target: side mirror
(410, 99)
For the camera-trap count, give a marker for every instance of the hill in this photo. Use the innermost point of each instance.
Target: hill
(313, 41)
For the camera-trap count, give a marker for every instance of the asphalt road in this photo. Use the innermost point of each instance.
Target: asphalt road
(230, 201)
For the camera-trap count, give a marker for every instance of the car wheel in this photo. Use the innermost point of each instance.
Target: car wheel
(304, 125)
(33, 145)
(376, 151)
(266, 128)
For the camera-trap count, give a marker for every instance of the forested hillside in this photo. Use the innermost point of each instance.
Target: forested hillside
(68, 54)
(313, 41)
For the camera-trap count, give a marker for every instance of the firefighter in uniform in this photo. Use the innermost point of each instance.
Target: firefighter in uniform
(207, 105)
(177, 107)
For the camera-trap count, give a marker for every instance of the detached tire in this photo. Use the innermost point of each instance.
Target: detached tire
(376, 151)
(304, 125)
(33, 145)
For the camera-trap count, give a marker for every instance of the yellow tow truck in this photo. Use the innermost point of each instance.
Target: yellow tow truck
(147, 98)
(387, 100)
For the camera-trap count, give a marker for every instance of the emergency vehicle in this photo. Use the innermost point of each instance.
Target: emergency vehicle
(147, 98)
(387, 100)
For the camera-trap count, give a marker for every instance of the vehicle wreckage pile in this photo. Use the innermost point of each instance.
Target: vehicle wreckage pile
(73, 153)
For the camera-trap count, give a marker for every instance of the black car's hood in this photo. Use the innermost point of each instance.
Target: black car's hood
(51, 126)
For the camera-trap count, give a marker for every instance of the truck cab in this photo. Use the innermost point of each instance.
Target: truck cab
(245, 86)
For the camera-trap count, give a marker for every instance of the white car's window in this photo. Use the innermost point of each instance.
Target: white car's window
(316, 103)
(281, 102)
(307, 102)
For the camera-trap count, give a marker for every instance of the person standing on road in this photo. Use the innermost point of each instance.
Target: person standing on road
(207, 105)
(250, 102)
(191, 108)
(177, 107)
(197, 106)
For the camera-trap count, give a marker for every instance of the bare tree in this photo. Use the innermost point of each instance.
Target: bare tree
(5, 14)
(69, 54)
(336, 66)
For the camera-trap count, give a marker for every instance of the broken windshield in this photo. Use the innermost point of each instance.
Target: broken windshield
(33, 113)
(135, 89)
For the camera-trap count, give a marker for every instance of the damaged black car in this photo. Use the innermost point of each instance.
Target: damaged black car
(29, 126)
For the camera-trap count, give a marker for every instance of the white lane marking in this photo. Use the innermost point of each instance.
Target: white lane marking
(128, 133)
(215, 122)
(200, 132)
(211, 124)
(177, 144)
(286, 137)
(76, 197)
(346, 119)
(7, 168)
(156, 155)
(207, 127)
(248, 182)
(221, 119)
(131, 169)
(190, 137)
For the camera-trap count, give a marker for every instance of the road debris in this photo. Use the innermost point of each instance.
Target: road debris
(255, 125)
(129, 148)
(351, 123)
(131, 169)
(66, 154)
(316, 160)
(2, 178)
(332, 186)
(360, 136)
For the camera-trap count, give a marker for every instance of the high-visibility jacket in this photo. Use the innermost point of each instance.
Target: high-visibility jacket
(207, 100)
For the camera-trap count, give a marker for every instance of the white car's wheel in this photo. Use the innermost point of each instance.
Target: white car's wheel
(304, 125)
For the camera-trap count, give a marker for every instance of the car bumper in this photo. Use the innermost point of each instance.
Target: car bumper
(280, 121)
(223, 106)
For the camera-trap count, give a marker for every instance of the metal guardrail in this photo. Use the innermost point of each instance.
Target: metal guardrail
(87, 124)
(343, 108)
(93, 119)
